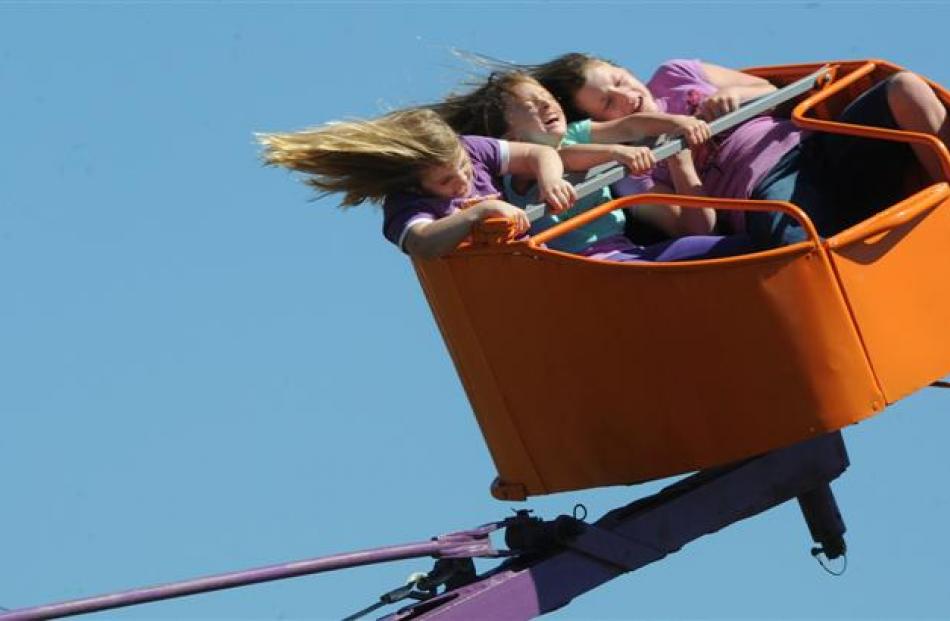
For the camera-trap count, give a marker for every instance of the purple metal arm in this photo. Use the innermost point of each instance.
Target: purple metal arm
(463, 544)
(574, 557)
(649, 529)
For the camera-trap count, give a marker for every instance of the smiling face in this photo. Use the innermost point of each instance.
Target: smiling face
(611, 92)
(452, 180)
(533, 115)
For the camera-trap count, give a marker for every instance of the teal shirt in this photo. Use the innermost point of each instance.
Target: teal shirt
(579, 239)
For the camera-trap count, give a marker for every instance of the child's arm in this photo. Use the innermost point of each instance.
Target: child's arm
(674, 220)
(671, 219)
(647, 124)
(580, 157)
(434, 238)
(734, 87)
(544, 165)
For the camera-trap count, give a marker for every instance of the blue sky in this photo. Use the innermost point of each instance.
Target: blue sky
(202, 370)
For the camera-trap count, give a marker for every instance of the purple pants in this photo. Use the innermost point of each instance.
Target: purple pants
(679, 249)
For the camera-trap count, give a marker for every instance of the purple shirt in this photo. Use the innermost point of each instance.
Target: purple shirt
(735, 161)
(401, 210)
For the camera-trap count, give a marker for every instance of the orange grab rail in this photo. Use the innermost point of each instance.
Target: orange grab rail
(894, 217)
(696, 202)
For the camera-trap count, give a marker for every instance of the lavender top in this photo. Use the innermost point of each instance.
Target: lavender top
(401, 210)
(735, 161)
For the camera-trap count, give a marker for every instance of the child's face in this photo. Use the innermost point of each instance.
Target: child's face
(533, 115)
(611, 93)
(452, 180)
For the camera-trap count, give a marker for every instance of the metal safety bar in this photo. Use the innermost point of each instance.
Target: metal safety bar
(612, 172)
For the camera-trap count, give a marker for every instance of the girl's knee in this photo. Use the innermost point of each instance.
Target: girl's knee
(909, 89)
(914, 105)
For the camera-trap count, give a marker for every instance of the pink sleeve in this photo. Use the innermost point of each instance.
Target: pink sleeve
(678, 73)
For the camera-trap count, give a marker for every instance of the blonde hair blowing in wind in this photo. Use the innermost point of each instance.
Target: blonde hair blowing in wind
(365, 159)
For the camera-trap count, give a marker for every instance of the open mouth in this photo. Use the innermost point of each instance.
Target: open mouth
(551, 122)
(637, 104)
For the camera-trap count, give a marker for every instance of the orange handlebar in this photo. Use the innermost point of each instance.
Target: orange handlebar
(495, 230)
(899, 214)
(696, 202)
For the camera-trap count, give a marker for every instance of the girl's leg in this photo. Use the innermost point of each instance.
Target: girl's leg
(916, 108)
(793, 179)
(686, 248)
(700, 247)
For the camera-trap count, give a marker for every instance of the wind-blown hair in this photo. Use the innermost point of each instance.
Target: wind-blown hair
(563, 77)
(365, 160)
(481, 111)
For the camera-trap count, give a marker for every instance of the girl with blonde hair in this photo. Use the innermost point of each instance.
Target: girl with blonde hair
(434, 185)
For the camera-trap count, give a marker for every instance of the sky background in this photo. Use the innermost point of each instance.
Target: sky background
(203, 370)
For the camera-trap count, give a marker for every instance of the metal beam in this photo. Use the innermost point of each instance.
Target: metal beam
(652, 528)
